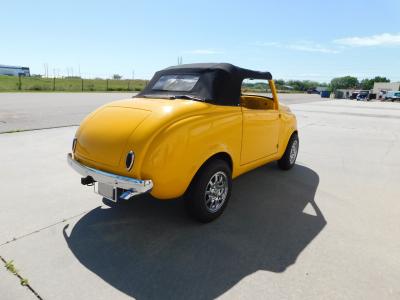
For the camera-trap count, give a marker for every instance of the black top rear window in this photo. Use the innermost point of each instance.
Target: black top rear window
(176, 83)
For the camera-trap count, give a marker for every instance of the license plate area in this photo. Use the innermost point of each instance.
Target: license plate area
(107, 191)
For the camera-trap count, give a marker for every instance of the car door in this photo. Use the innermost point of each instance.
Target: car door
(260, 133)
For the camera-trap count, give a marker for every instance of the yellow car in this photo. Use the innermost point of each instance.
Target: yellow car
(188, 133)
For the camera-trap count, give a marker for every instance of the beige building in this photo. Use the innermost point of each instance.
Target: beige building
(385, 86)
(345, 93)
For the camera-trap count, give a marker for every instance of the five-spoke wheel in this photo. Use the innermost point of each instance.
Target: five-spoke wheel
(289, 157)
(210, 190)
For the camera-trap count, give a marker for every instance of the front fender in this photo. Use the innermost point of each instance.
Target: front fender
(288, 127)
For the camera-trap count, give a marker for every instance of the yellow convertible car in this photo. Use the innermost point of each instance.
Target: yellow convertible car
(188, 133)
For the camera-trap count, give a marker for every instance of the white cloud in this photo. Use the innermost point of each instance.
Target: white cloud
(306, 46)
(203, 52)
(266, 44)
(384, 39)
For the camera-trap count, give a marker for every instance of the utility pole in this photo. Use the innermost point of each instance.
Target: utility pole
(46, 69)
(133, 79)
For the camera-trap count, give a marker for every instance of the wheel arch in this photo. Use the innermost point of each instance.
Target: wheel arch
(222, 155)
(225, 156)
(289, 131)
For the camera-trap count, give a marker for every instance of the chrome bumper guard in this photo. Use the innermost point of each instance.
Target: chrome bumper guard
(134, 186)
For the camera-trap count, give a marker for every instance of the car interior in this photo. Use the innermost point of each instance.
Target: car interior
(256, 102)
(250, 95)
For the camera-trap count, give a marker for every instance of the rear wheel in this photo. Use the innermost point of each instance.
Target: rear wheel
(289, 157)
(210, 191)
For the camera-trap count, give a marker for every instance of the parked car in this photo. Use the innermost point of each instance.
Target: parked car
(313, 91)
(188, 133)
(392, 95)
(354, 95)
(363, 96)
(382, 94)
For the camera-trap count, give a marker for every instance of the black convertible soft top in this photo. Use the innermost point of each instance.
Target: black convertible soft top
(218, 83)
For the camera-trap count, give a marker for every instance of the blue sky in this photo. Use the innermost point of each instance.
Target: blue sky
(314, 40)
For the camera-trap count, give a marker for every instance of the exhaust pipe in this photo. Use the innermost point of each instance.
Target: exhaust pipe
(89, 181)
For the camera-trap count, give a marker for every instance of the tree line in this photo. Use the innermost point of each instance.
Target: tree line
(348, 82)
(345, 82)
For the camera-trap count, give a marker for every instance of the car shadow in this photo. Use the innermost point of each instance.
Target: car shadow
(150, 249)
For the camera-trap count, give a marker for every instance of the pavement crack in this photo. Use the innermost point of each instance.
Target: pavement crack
(41, 229)
(35, 129)
(24, 282)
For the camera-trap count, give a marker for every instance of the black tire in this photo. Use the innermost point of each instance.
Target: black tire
(197, 202)
(285, 163)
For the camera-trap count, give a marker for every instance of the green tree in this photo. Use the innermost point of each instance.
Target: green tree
(280, 82)
(345, 82)
(116, 77)
(303, 85)
(368, 84)
(381, 79)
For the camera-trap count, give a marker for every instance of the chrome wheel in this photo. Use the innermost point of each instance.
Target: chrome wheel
(293, 152)
(216, 191)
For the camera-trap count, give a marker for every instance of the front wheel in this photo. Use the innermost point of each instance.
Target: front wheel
(210, 191)
(289, 157)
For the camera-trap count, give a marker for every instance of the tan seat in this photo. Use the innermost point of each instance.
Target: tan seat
(256, 102)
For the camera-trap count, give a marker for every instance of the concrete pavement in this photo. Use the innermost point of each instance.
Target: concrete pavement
(22, 111)
(11, 289)
(327, 229)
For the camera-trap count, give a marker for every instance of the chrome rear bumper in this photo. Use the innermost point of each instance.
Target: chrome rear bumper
(135, 186)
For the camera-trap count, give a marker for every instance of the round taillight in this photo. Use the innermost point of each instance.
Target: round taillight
(130, 158)
(74, 145)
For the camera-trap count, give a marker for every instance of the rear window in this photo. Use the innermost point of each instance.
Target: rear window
(397, 94)
(176, 83)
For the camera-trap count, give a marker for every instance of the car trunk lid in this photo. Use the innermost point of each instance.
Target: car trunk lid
(104, 138)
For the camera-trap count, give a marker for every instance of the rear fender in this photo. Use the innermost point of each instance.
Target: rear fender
(178, 152)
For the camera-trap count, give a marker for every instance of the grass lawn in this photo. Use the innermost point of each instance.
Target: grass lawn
(13, 84)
